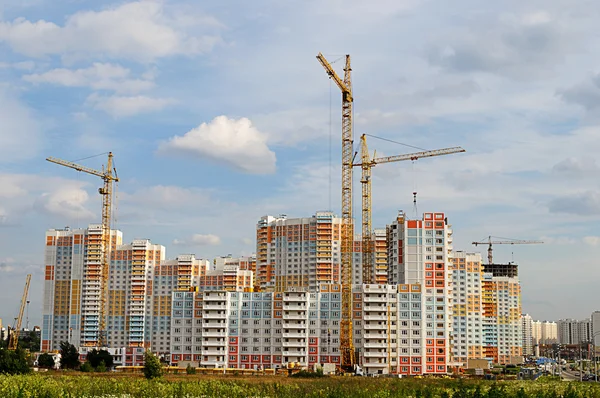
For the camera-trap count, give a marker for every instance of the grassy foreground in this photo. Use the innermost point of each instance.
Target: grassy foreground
(349, 387)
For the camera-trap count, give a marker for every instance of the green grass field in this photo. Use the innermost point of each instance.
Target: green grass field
(78, 385)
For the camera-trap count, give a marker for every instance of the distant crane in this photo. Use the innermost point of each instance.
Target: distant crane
(14, 336)
(503, 241)
(106, 192)
(366, 164)
(347, 238)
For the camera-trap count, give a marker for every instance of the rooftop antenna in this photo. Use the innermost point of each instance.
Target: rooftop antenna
(415, 191)
(415, 205)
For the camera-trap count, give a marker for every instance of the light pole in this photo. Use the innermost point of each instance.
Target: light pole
(594, 334)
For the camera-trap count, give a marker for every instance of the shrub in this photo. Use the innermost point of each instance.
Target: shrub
(308, 374)
(190, 370)
(14, 362)
(152, 366)
(96, 357)
(46, 361)
(101, 367)
(86, 367)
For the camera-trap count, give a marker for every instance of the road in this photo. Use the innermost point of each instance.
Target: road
(569, 375)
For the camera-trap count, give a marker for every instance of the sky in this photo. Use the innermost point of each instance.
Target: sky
(218, 113)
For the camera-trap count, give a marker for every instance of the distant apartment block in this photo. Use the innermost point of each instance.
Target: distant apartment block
(298, 252)
(527, 332)
(467, 308)
(572, 331)
(544, 332)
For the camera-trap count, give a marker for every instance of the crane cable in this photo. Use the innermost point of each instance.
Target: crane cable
(330, 144)
(396, 142)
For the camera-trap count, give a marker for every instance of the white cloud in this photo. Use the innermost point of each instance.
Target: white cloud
(234, 142)
(20, 134)
(24, 65)
(199, 240)
(124, 106)
(592, 240)
(140, 30)
(99, 76)
(67, 202)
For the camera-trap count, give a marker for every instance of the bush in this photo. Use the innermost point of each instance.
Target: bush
(86, 367)
(190, 370)
(14, 362)
(101, 367)
(152, 366)
(308, 374)
(46, 361)
(96, 357)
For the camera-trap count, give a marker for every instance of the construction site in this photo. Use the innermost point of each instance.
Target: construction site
(318, 292)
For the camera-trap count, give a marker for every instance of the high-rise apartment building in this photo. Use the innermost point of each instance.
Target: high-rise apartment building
(71, 308)
(420, 252)
(467, 308)
(140, 286)
(299, 253)
(572, 331)
(502, 314)
(544, 332)
(527, 334)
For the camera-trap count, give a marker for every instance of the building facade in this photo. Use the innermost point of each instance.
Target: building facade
(467, 308)
(420, 252)
(544, 332)
(502, 324)
(71, 307)
(572, 331)
(528, 342)
(298, 252)
(393, 329)
(139, 294)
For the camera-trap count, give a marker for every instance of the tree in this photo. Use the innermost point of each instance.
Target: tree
(96, 357)
(69, 357)
(14, 362)
(46, 361)
(30, 340)
(152, 366)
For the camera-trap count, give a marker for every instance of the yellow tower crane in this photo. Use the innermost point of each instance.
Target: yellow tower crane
(366, 164)
(106, 192)
(347, 238)
(14, 336)
(504, 241)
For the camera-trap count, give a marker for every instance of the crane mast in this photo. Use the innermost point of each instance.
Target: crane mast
(505, 241)
(367, 163)
(106, 192)
(367, 244)
(14, 336)
(347, 238)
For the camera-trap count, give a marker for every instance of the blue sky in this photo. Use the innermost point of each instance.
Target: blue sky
(219, 113)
